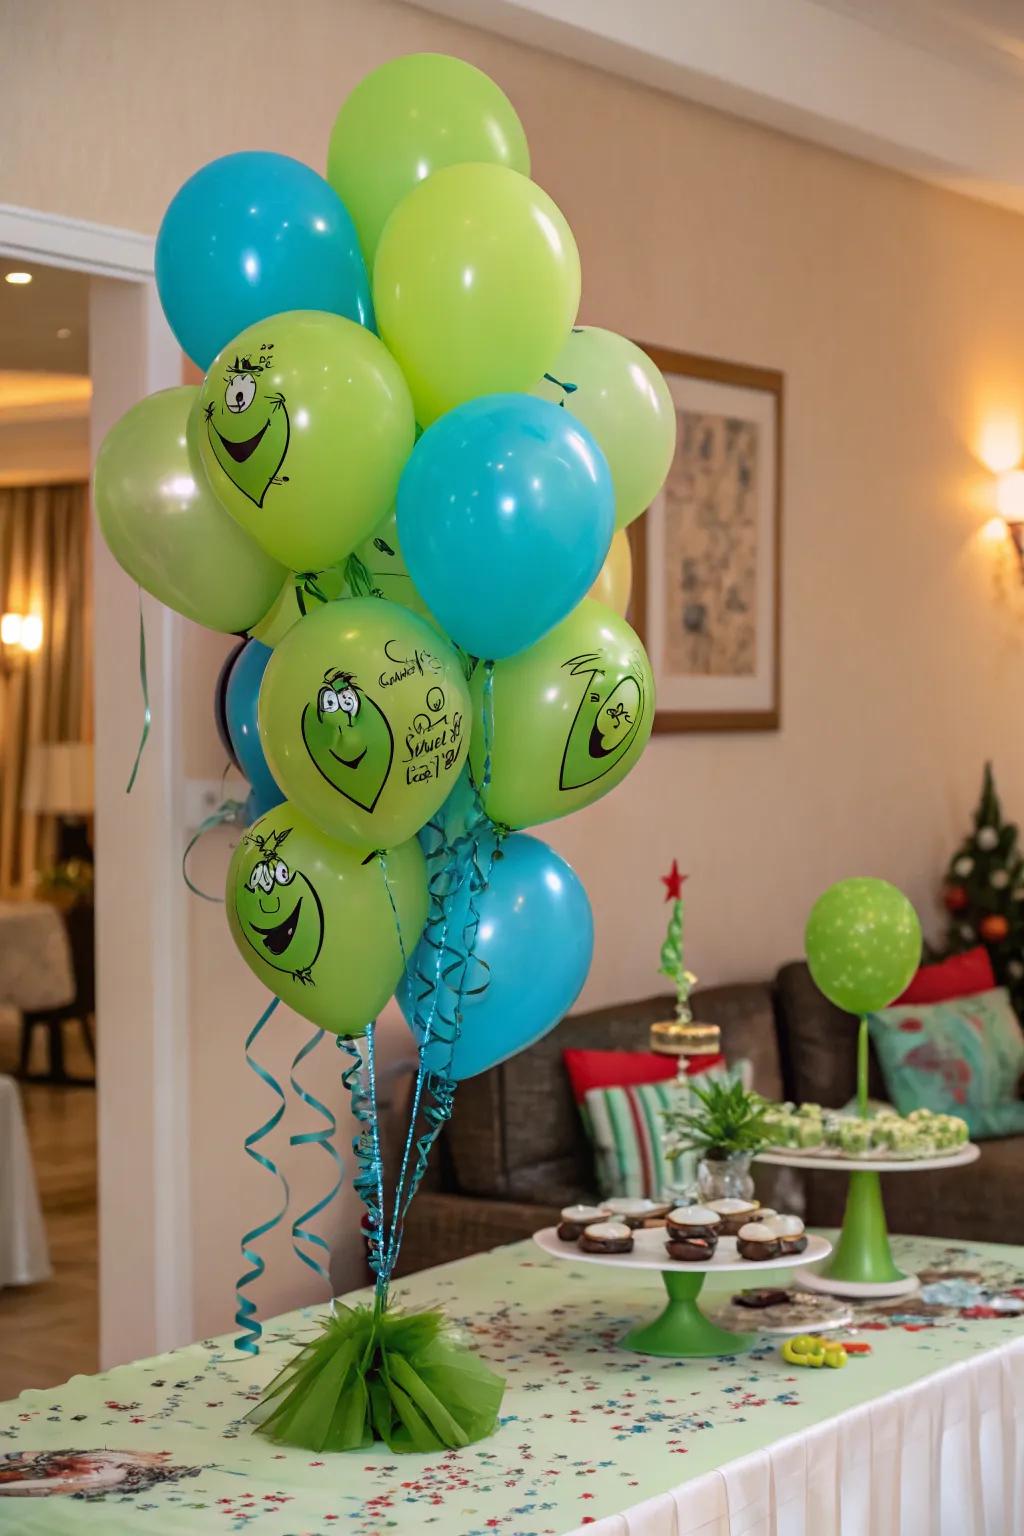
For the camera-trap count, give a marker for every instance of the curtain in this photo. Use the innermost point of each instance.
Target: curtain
(45, 568)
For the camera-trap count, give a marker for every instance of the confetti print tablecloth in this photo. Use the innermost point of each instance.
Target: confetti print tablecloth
(925, 1436)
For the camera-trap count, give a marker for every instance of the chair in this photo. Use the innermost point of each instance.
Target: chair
(80, 923)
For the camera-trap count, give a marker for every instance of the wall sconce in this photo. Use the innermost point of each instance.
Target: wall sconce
(20, 634)
(1010, 503)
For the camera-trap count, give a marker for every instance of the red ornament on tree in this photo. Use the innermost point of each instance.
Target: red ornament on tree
(993, 928)
(954, 898)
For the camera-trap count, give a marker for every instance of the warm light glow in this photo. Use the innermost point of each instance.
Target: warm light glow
(31, 632)
(10, 628)
(1010, 496)
(1001, 446)
(19, 279)
(994, 530)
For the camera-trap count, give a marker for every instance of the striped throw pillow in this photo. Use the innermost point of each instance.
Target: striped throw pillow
(626, 1128)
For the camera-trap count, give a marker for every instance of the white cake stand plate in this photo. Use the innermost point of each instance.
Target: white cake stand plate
(862, 1267)
(681, 1330)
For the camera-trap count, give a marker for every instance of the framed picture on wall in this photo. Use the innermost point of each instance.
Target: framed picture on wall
(707, 599)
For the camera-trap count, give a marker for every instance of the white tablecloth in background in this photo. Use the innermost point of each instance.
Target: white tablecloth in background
(36, 969)
(942, 1458)
(24, 1257)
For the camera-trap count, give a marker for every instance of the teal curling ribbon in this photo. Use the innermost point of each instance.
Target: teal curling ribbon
(229, 812)
(147, 713)
(252, 1329)
(322, 1138)
(368, 1181)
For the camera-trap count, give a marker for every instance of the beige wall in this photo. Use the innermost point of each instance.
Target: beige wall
(895, 312)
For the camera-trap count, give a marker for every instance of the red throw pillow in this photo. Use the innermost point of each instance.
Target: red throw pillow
(958, 976)
(624, 1069)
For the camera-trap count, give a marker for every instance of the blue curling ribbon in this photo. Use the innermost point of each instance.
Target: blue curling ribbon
(147, 713)
(229, 812)
(245, 1316)
(323, 1138)
(368, 1181)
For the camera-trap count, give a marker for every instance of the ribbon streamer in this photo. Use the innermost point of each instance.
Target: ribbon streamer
(147, 713)
(323, 1138)
(231, 812)
(252, 1329)
(368, 1181)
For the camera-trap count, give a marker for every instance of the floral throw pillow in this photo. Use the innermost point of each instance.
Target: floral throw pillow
(964, 1057)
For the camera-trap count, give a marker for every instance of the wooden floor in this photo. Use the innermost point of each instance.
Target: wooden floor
(49, 1332)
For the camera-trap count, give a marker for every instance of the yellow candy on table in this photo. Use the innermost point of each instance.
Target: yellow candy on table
(808, 1349)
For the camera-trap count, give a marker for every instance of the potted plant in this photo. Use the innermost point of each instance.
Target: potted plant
(725, 1124)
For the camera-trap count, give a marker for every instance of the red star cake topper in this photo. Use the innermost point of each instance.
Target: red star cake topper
(673, 882)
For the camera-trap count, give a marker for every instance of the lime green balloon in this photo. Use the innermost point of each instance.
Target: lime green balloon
(614, 389)
(364, 719)
(164, 526)
(300, 594)
(377, 568)
(314, 920)
(568, 718)
(863, 942)
(475, 285)
(409, 118)
(303, 425)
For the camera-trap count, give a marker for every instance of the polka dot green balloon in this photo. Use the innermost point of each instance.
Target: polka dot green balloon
(863, 942)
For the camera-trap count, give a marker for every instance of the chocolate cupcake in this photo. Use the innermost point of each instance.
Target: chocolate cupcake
(693, 1250)
(606, 1237)
(689, 1221)
(790, 1232)
(575, 1217)
(758, 1242)
(634, 1212)
(735, 1214)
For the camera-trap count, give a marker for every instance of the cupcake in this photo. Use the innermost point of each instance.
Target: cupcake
(789, 1230)
(634, 1212)
(734, 1214)
(758, 1241)
(575, 1217)
(606, 1237)
(689, 1221)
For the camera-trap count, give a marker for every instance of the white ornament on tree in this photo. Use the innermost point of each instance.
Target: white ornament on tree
(1015, 969)
(963, 866)
(987, 838)
(966, 931)
(999, 879)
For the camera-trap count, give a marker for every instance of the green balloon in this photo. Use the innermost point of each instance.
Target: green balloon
(314, 920)
(568, 718)
(475, 285)
(303, 425)
(614, 389)
(377, 568)
(164, 526)
(863, 942)
(300, 594)
(364, 718)
(409, 118)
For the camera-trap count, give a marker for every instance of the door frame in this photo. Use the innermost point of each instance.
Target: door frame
(145, 1215)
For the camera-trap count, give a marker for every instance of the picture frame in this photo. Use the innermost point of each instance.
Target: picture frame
(707, 578)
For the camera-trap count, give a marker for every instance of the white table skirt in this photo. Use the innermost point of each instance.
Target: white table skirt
(942, 1458)
(24, 1258)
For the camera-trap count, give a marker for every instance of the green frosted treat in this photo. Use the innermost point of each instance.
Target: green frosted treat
(809, 1133)
(855, 1135)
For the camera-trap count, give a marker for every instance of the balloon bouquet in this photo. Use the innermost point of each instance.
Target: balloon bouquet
(404, 491)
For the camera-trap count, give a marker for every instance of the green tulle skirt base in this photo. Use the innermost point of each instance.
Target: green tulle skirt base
(377, 1373)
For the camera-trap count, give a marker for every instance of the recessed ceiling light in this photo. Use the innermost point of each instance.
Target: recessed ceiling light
(18, 278)
(63, 333)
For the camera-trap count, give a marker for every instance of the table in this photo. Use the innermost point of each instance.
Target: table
(744, 1447)
(24, 1257)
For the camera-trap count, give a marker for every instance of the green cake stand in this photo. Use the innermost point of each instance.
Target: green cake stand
(681, 1331)
(861, 1266)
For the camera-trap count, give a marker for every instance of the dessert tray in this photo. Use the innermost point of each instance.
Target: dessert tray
(830, 1158)
(682, 1329)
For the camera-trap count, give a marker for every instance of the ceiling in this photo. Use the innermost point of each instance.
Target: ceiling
(31, 315)
(990, 32)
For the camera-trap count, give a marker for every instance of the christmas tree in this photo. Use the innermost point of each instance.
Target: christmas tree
(672, 964)
(983, 892)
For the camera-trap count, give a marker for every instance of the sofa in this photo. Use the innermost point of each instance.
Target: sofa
(515, 1150)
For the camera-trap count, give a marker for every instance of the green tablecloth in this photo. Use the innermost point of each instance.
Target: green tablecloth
(587, 1430)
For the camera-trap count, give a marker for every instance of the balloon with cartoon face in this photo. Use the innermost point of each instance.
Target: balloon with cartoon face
(568, 718)
(363, 716)
(303, 425)
(314, 920)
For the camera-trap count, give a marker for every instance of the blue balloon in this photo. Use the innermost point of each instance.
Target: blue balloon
(240, 704)
(251, 235)
(505, 513)
(533, 950)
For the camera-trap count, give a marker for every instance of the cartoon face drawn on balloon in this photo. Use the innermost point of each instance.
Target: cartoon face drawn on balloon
(607, 718)
(278, 909)
(348, 738)
(248, 427)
